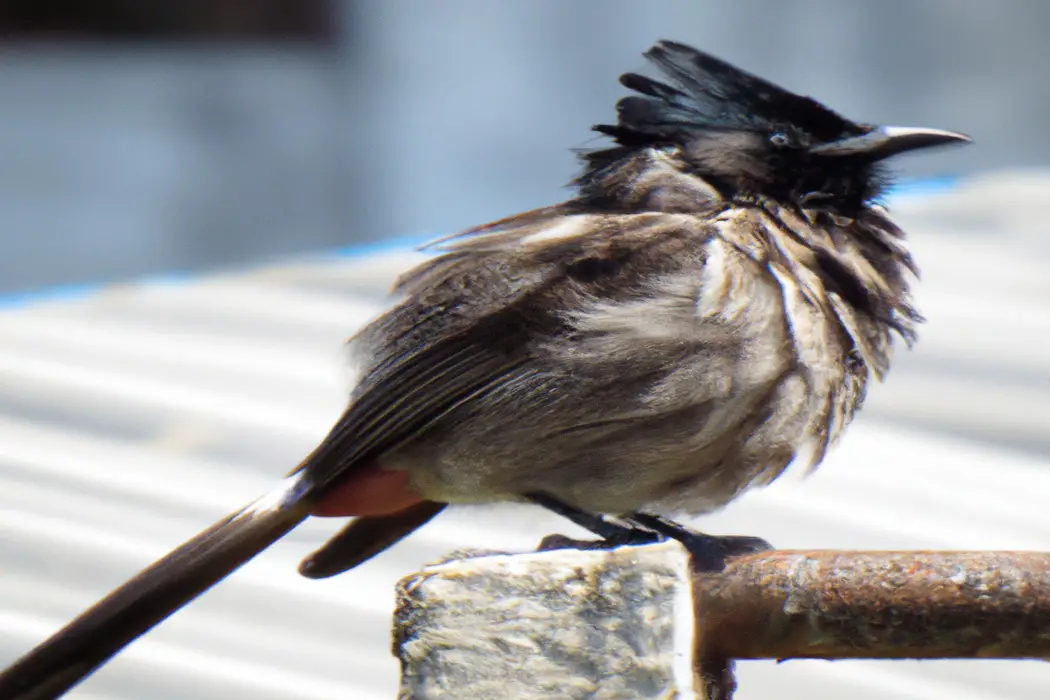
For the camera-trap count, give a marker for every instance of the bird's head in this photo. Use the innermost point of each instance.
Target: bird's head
(748, 137)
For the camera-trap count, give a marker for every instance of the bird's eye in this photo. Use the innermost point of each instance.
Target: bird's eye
(779, 140)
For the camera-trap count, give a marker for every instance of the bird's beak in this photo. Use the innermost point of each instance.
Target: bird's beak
(885, 141)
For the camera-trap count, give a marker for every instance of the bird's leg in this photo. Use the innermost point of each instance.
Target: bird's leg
(709, 552)
(613, 534)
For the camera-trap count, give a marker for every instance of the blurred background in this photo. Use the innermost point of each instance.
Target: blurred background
(199, 199)
(189, 134)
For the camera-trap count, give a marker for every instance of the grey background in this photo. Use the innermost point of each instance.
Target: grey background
(120, 159)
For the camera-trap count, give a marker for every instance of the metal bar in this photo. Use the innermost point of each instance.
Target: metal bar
(875, 605)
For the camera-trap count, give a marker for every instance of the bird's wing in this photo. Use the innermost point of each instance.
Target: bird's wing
(403, 395)
(465, 329)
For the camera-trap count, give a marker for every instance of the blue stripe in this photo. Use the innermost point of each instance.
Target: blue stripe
(912, 188)
(925, 186)
(386, 245)
(60, 293)
(71, 292)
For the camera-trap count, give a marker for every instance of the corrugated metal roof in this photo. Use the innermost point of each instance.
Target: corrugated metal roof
(133, 416)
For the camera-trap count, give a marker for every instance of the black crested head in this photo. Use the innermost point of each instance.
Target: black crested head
(747, 136)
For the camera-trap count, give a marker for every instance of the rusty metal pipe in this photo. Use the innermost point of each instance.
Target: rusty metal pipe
(875, 605)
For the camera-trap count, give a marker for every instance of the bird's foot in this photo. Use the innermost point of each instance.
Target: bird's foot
(628, 537)
(612, 533)
(709, 552)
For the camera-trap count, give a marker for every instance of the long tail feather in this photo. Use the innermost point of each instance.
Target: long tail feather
(78, 649)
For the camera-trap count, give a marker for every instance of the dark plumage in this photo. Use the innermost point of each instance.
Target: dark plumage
(707, 308)
(743, 134)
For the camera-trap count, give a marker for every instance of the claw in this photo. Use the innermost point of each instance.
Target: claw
(709, 552)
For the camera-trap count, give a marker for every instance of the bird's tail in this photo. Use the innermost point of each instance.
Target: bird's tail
(79, 648)
(365, 537)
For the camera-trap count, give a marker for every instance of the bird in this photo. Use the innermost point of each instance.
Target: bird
(707, 307)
